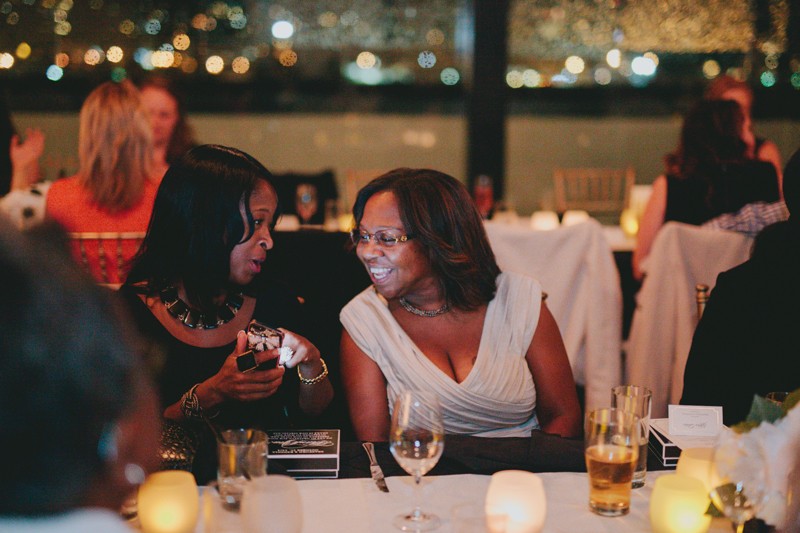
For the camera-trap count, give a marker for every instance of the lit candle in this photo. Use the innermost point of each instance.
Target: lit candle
(697, 463)
(520, 496)
(629, 222)
(168, 502)
(544, 220)
(678, 505)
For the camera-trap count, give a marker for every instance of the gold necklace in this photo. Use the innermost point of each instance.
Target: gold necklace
(408, 306)
(194, 318)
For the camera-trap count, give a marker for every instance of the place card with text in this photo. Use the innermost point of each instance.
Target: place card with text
(695, 420)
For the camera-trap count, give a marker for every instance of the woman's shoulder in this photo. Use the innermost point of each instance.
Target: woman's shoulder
(513, 286)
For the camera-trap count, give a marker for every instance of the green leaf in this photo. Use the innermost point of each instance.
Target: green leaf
(762, 410)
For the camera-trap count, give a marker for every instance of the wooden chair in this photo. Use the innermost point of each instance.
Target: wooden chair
(354, 179)
(596, 190)
(105, 255)
(701, 297)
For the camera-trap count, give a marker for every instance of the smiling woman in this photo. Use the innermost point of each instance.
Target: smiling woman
(441, 316)
(195, 286)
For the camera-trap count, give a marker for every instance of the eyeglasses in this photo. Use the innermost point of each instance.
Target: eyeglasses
(383, 238)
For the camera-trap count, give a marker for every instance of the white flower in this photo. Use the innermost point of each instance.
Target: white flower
(762, 460)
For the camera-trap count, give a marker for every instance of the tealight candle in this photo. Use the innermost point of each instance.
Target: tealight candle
(168, 502)
(544, 220)
(520, 496)
(696, 463)
(629, 222)
(678, 505)
(574, 216)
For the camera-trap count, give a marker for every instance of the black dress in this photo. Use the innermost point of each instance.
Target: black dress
(688, 200)
(183, 365)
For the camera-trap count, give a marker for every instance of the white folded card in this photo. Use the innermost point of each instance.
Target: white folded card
(695, 420)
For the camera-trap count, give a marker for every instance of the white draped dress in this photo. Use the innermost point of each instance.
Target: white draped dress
(498, 397)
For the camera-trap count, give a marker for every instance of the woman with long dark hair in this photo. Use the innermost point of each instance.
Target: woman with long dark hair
(194, 287)
(712, 173)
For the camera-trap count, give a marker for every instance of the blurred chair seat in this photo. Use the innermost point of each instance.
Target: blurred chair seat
(105, 255)
(596, 190)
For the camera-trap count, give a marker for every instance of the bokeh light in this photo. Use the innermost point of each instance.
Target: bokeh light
(575, 64)
(282, 29)
(240, 65)
(23, 50)
(767, 79)
(614, 58)
(126, 27)
(531, 78)
(435, 37)
(426, 59)
(54, 73)
(514, 79)
(215, 65)
(652, 57)
(450, 76)
(6, 60)
(711, 69)
(93, 56)
(602, 76)
(795, 80)
(328, 19)
(366, 60)
(181, 41)
(643, 66)
(287, 58)
(119, 74)
(61, 60)
(114, 54)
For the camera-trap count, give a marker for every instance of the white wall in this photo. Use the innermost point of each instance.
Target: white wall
(534, 145)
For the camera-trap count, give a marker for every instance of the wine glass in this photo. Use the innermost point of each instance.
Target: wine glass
(416, 441)
(306, 201)
(728, 495)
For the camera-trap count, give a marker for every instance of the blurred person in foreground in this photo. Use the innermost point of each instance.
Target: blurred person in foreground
(194, 287)
(728, 88)
(440, 316)
(714, 173)
(172, 134)
(78, 416)
(748, 341)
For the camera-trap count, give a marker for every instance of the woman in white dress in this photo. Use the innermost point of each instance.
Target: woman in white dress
(441, 316)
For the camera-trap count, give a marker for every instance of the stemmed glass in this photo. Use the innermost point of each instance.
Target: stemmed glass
(306, 201)
(728, 495)
(417, 442)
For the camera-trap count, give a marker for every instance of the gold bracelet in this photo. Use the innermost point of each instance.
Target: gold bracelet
(314, 381)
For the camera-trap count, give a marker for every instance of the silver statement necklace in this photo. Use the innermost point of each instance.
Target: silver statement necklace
(422, 312)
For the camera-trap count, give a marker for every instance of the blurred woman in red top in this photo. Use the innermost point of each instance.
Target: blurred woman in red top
(114, 188)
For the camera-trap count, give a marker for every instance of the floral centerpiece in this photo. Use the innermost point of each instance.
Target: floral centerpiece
(764, 453)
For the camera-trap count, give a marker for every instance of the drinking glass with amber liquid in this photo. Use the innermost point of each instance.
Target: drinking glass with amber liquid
(611, 441)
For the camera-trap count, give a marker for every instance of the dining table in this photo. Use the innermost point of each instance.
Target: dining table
(354, 504)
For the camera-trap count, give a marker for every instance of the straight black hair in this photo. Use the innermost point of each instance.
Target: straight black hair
(197, 221)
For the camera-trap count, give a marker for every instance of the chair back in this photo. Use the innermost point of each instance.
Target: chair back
(596, 190)
(104, 255)
(701, 297)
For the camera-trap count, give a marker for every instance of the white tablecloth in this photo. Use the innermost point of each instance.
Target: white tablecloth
(577, 270)
(357, 506)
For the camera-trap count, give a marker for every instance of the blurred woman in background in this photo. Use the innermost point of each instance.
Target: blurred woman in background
(714, 172)
(728, 88)
(172, 135)
(115, 186)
